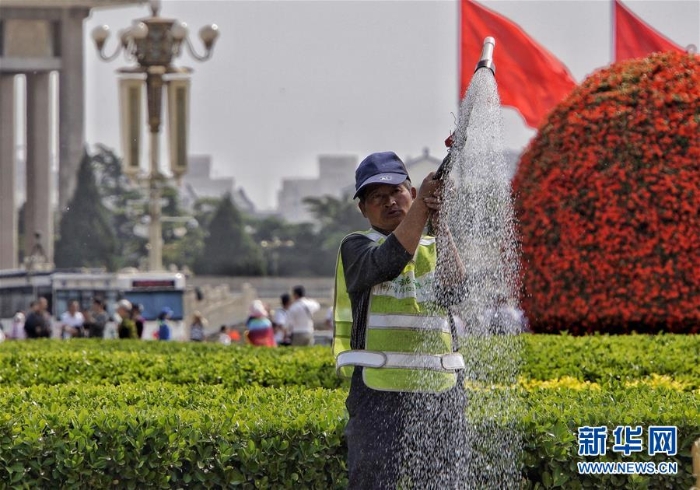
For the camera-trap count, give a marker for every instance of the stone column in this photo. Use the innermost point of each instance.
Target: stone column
(71, 103)
(38, 210)
(8, 208)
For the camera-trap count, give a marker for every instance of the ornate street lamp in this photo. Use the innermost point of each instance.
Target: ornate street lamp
(273, 247)
(153, 42)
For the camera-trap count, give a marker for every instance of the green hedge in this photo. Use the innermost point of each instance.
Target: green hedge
(119, 362)
(603, 358)
(599, 358)
(180, 415)
(169, 436)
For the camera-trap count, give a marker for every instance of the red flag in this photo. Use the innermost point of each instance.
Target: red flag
(529, 77)
(636, 39)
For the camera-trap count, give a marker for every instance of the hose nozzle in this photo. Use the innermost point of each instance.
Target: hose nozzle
(486, 60)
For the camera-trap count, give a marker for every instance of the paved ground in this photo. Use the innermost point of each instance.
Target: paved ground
(225, 300)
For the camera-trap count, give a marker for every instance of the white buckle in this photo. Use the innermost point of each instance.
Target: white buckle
(453, 361)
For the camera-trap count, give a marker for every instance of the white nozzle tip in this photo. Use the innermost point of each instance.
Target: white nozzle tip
(490, 40)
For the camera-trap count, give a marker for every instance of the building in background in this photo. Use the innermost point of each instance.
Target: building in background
(41, 49)
(198, 183)
(421, 166)
(337, 176)
(335, 172)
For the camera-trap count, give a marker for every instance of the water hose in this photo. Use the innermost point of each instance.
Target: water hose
(485, 61)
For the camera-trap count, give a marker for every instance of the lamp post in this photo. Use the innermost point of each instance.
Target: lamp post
(272, 246)
(153, 42)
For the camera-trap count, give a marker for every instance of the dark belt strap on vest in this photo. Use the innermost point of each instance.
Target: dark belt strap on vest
(453, 331)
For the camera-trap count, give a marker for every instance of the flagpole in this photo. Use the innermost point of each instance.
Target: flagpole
(459, 54)
(613, 20)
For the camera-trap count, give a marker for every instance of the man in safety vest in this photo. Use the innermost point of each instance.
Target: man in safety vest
(394, 339)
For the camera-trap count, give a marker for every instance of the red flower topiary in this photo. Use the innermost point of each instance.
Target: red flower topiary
(608, 203)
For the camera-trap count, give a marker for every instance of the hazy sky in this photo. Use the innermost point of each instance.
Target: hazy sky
(290, 80)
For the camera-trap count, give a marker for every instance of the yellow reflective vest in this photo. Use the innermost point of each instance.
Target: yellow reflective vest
(408, 343)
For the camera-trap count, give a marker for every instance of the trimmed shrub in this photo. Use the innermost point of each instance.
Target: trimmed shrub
(607, 201)
(121, 362)
(144, 435)
(131, 414)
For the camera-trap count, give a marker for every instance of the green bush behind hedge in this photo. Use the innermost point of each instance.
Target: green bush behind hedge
(119, 362)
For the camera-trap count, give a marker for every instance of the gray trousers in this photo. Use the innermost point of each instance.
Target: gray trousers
(405, 440)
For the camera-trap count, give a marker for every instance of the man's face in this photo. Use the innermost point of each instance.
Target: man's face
(385, 206)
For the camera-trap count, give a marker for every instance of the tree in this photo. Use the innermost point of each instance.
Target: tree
(607, 200)
(126, 203)
(86, 236)
(228, 249)
(185, 250)
(337, 217)
(293, 249)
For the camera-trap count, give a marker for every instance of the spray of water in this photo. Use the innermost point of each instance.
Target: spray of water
(441, 448)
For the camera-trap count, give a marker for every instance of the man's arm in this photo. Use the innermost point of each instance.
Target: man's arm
(410, 230)
(367, 263)
(451, 274)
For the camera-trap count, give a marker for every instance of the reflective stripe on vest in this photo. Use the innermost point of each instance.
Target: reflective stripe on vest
(408, 343)
(374, 359)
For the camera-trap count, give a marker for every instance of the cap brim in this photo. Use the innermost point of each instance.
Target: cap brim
(389, 179)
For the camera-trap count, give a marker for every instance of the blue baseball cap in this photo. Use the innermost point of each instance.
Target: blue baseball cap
(380, 168)
(166, 311)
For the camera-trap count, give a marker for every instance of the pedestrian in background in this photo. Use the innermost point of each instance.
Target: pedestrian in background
(17, 332)
(38, 323)
(279, 321)
(72, 321)
(127, 327)
(224, 337)
(99, 319)
(137, 316)
(197, 327)
(259, 327)
(163, 327)
(300, 321)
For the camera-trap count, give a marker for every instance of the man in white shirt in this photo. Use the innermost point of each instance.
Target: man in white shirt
(300, 320)
(72, 321)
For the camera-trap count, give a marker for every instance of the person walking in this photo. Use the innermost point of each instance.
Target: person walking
(127, 327)
(300, 321)
(197, 327)
(38, 322)
(258, 326)
(17, 331)
(99, 319)
(163, 327)
(393, 338)
(224, 337)
(137, 317)
(279, 321)
(72, 321)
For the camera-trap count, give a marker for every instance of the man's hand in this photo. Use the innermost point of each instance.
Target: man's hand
(431, 194)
